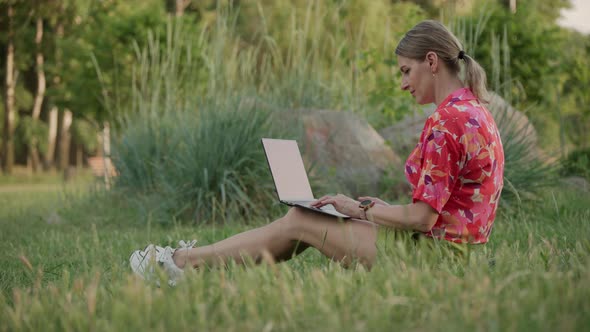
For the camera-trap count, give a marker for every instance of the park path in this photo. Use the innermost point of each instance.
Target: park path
(29, 187)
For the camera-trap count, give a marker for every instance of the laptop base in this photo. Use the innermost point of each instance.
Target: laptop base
(326, 209)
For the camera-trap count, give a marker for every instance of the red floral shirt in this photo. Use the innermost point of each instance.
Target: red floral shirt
(458, 168)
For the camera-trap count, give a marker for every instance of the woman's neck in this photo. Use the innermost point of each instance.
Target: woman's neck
(444, 86)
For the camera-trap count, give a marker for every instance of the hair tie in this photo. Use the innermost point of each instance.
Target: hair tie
(461, 55)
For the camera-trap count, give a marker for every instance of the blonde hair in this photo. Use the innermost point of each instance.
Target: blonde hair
(433, 36)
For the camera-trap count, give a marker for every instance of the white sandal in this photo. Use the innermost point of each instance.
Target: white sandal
(142, 262)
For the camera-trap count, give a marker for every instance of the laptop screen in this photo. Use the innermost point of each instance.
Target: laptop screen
(288, 171)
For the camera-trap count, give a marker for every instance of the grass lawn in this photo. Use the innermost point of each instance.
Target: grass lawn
(64, 267)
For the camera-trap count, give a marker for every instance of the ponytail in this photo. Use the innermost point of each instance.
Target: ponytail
(475, 78)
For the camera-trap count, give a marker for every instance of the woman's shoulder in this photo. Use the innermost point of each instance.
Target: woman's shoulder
(449, 114)
(459, 103)
(460, 111)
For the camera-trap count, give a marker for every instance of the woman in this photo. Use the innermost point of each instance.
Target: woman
(456, 172)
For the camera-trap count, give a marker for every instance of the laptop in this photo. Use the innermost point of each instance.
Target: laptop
(290, 177)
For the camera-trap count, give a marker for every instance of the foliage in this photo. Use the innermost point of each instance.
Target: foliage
(78, 37)
(106, 36)
(535, 44)
(345, 46)
(32, 133)
(575, 101)
(90, 48)
(577, 163)
(85, 133)
(531, 33)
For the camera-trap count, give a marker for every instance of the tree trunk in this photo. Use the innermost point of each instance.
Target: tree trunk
(9, 106)
(106, 147)
(56, 117)
(181, 6)
(33, 157)
(41, 85)
(79, 156)
(64, 141)
(51, 139)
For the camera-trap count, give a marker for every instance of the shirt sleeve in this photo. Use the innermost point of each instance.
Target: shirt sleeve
(439, 169)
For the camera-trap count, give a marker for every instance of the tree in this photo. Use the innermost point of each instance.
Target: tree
(33, 157)
(9, 91)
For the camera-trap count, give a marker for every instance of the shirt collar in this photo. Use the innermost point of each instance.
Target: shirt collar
(462, 94)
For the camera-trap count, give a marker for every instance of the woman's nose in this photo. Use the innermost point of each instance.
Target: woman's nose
(405, 85)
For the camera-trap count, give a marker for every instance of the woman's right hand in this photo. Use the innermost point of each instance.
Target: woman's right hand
(374, 199)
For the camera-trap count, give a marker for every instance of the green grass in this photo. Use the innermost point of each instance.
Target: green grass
(74, 276)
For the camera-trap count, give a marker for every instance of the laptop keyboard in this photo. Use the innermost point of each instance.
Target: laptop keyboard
(328, 207)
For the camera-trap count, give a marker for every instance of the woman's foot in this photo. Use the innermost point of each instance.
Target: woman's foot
(144, 262)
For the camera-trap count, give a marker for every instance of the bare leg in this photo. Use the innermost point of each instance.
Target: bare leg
(344, 241)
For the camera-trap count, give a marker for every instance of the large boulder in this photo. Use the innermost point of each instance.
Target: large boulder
(344, 145)
(576, 183)
(403, 135)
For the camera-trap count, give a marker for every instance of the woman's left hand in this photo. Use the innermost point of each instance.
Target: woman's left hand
(341, 203)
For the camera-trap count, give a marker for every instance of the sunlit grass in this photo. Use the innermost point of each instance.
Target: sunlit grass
(74, 275)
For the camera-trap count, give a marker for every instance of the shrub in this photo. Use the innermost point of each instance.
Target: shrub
(527, 170)
(577, 163)
(206, 165)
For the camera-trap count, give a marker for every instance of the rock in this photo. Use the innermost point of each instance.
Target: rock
(576, 183)
(343, 144)
(53, 218)
(404, 135)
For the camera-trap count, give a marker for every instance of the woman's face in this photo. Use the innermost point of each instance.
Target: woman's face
(417, 78)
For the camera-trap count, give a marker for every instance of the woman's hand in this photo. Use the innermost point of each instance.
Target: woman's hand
(341, 203)
(374, 199)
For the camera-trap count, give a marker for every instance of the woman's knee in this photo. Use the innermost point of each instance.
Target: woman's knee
(286, 225)
(293, 219)
(299, 223)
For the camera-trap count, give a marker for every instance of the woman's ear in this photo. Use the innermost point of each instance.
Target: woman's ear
(432, 59)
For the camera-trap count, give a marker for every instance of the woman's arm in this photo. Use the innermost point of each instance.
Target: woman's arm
(417, 216)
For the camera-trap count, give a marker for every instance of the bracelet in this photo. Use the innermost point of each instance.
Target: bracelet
(365, 206)
(367, 215)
